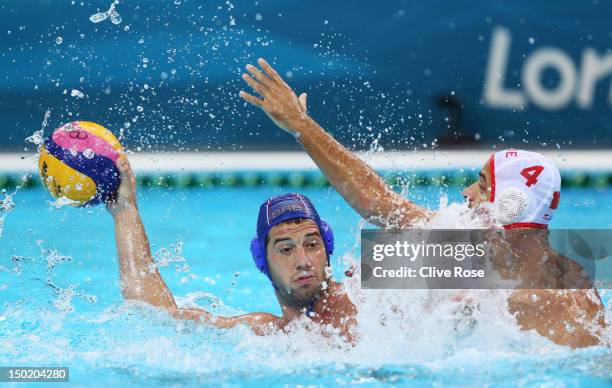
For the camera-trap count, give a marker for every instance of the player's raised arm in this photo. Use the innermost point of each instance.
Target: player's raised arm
(357, 182)
(139, 277)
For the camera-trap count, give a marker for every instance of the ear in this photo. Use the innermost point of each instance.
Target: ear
(302, 99)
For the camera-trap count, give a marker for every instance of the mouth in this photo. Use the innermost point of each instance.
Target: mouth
(305, 279)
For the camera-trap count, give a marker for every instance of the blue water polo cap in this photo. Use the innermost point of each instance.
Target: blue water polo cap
(279, 209)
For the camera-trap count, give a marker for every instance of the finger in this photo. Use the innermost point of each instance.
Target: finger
(259, 76)
(123, 165)
(128, 166)
(302, 99)
(269, 70)
(251, 99)
(259, 88)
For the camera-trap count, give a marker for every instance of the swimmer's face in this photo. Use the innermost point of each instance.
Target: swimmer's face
(479, 191)
(297, 259)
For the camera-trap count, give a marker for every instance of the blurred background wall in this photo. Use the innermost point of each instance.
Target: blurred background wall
(395, 74)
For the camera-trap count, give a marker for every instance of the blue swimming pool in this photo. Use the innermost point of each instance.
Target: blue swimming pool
(60, 303)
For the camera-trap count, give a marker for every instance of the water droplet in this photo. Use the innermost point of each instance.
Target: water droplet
(36, 137)
(77, 93)
(258, 16)
(115, 17)
(88, 153)
(59, 40)
(139, 108)
(328, 272)
(99, 17)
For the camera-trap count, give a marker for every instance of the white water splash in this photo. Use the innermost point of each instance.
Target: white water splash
(64, 296)
(173, 254)
(7, 203)
(51, 256)
(61, 202)
(37, 137)
(111, 13)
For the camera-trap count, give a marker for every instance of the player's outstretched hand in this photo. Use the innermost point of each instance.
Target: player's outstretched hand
(277, 98)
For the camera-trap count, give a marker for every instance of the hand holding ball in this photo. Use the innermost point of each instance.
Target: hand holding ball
(78, 162)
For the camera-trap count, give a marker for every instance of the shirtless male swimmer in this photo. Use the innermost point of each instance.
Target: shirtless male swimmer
(292, 247)
(523, 187)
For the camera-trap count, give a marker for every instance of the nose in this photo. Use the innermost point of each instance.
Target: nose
(466, 192)
(470, 190)
(469, 193)
(303, 262)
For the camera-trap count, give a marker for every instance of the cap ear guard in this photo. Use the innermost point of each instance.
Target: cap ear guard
(511, 206)
(259, 257)
(328, 238)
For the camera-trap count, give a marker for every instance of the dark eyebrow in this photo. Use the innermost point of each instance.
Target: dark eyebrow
(280, 240)
(288, 239)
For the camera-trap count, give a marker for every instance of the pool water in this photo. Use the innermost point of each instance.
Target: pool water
(60, 303)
